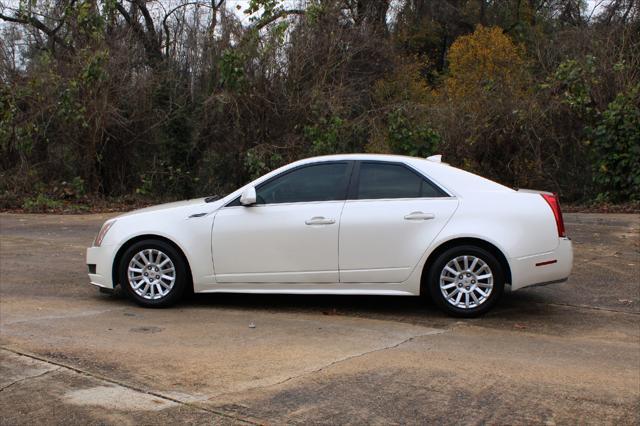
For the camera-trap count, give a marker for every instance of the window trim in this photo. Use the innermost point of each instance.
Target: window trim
(350, 174)
(354, 195)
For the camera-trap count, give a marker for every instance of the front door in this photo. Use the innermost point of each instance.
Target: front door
(290, 235)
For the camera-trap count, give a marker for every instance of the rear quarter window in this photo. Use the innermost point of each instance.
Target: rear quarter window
(385, 180)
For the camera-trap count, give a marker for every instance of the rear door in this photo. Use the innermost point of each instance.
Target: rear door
(391, 217)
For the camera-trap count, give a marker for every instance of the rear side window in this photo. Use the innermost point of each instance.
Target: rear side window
(383, 180)
(319, 182)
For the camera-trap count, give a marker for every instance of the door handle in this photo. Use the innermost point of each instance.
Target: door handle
(419, 216)
(319, 220)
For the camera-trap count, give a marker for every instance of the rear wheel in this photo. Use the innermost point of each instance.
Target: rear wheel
(466, 281)
(153, 274)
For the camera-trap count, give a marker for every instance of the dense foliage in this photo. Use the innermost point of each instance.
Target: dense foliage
(171, 99)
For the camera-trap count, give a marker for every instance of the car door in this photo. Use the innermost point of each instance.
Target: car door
(291, 234)
(392, 215)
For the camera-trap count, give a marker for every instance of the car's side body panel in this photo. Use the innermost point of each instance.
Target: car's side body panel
(543, 268)
(102, 258)
(192, 235)
(519, 224)
(383, 240)
(274, 243)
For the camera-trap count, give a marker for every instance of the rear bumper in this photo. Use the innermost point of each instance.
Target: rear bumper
(102, 258)
(544, 268)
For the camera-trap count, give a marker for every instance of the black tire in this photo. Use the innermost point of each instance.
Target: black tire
(181, 276)
(438, 266)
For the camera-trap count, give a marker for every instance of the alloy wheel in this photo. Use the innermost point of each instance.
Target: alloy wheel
(466, 282)
(151, 274)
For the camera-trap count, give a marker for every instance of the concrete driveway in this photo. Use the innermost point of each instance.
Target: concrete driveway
(566, 353)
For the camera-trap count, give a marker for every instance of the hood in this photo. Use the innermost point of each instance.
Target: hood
(194, 206)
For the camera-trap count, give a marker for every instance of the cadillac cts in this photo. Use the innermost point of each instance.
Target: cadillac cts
(345, 224)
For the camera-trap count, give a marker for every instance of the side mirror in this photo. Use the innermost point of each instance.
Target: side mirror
(248, 197)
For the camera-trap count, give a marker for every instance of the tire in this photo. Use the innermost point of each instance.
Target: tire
(462, 295)
(165, 262)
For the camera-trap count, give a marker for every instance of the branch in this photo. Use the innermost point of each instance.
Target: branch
(626, 13)
(281, 14)
(148, 20)
(148, 43)
(64, 17)
(133, 24)
(37, 24)
(168, 14)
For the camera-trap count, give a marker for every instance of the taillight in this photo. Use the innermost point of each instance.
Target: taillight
(552, 200)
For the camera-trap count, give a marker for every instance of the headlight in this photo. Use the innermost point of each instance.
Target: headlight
(103, 231)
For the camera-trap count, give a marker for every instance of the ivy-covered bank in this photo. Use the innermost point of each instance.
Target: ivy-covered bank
(136, 101)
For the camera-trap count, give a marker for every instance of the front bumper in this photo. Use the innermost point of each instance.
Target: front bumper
(102, 258)
(544, 268)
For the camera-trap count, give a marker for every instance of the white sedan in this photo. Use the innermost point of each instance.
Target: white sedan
(342, 224)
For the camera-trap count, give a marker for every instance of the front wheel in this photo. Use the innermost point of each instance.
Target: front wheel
(466, 281)
(153, 274)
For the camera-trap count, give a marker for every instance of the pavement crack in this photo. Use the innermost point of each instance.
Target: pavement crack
(599, 257)
(594, 308)
(57, 317)
(333, 363)
(24, 379)
(61, 366)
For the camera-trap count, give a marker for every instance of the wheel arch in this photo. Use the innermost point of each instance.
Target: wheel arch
(491, 248)
(137, 238)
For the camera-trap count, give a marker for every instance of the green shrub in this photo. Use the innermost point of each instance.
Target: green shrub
(616, 145)
(260, 160)
(409, 138)
(328, 135)
(40, 203)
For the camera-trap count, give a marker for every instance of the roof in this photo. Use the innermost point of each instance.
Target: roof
(455, 180)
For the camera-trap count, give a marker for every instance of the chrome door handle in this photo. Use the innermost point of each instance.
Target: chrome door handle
(319, 220)
(419, 216)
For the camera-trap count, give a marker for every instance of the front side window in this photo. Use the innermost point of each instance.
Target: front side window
(383, 180)
(318, 182)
